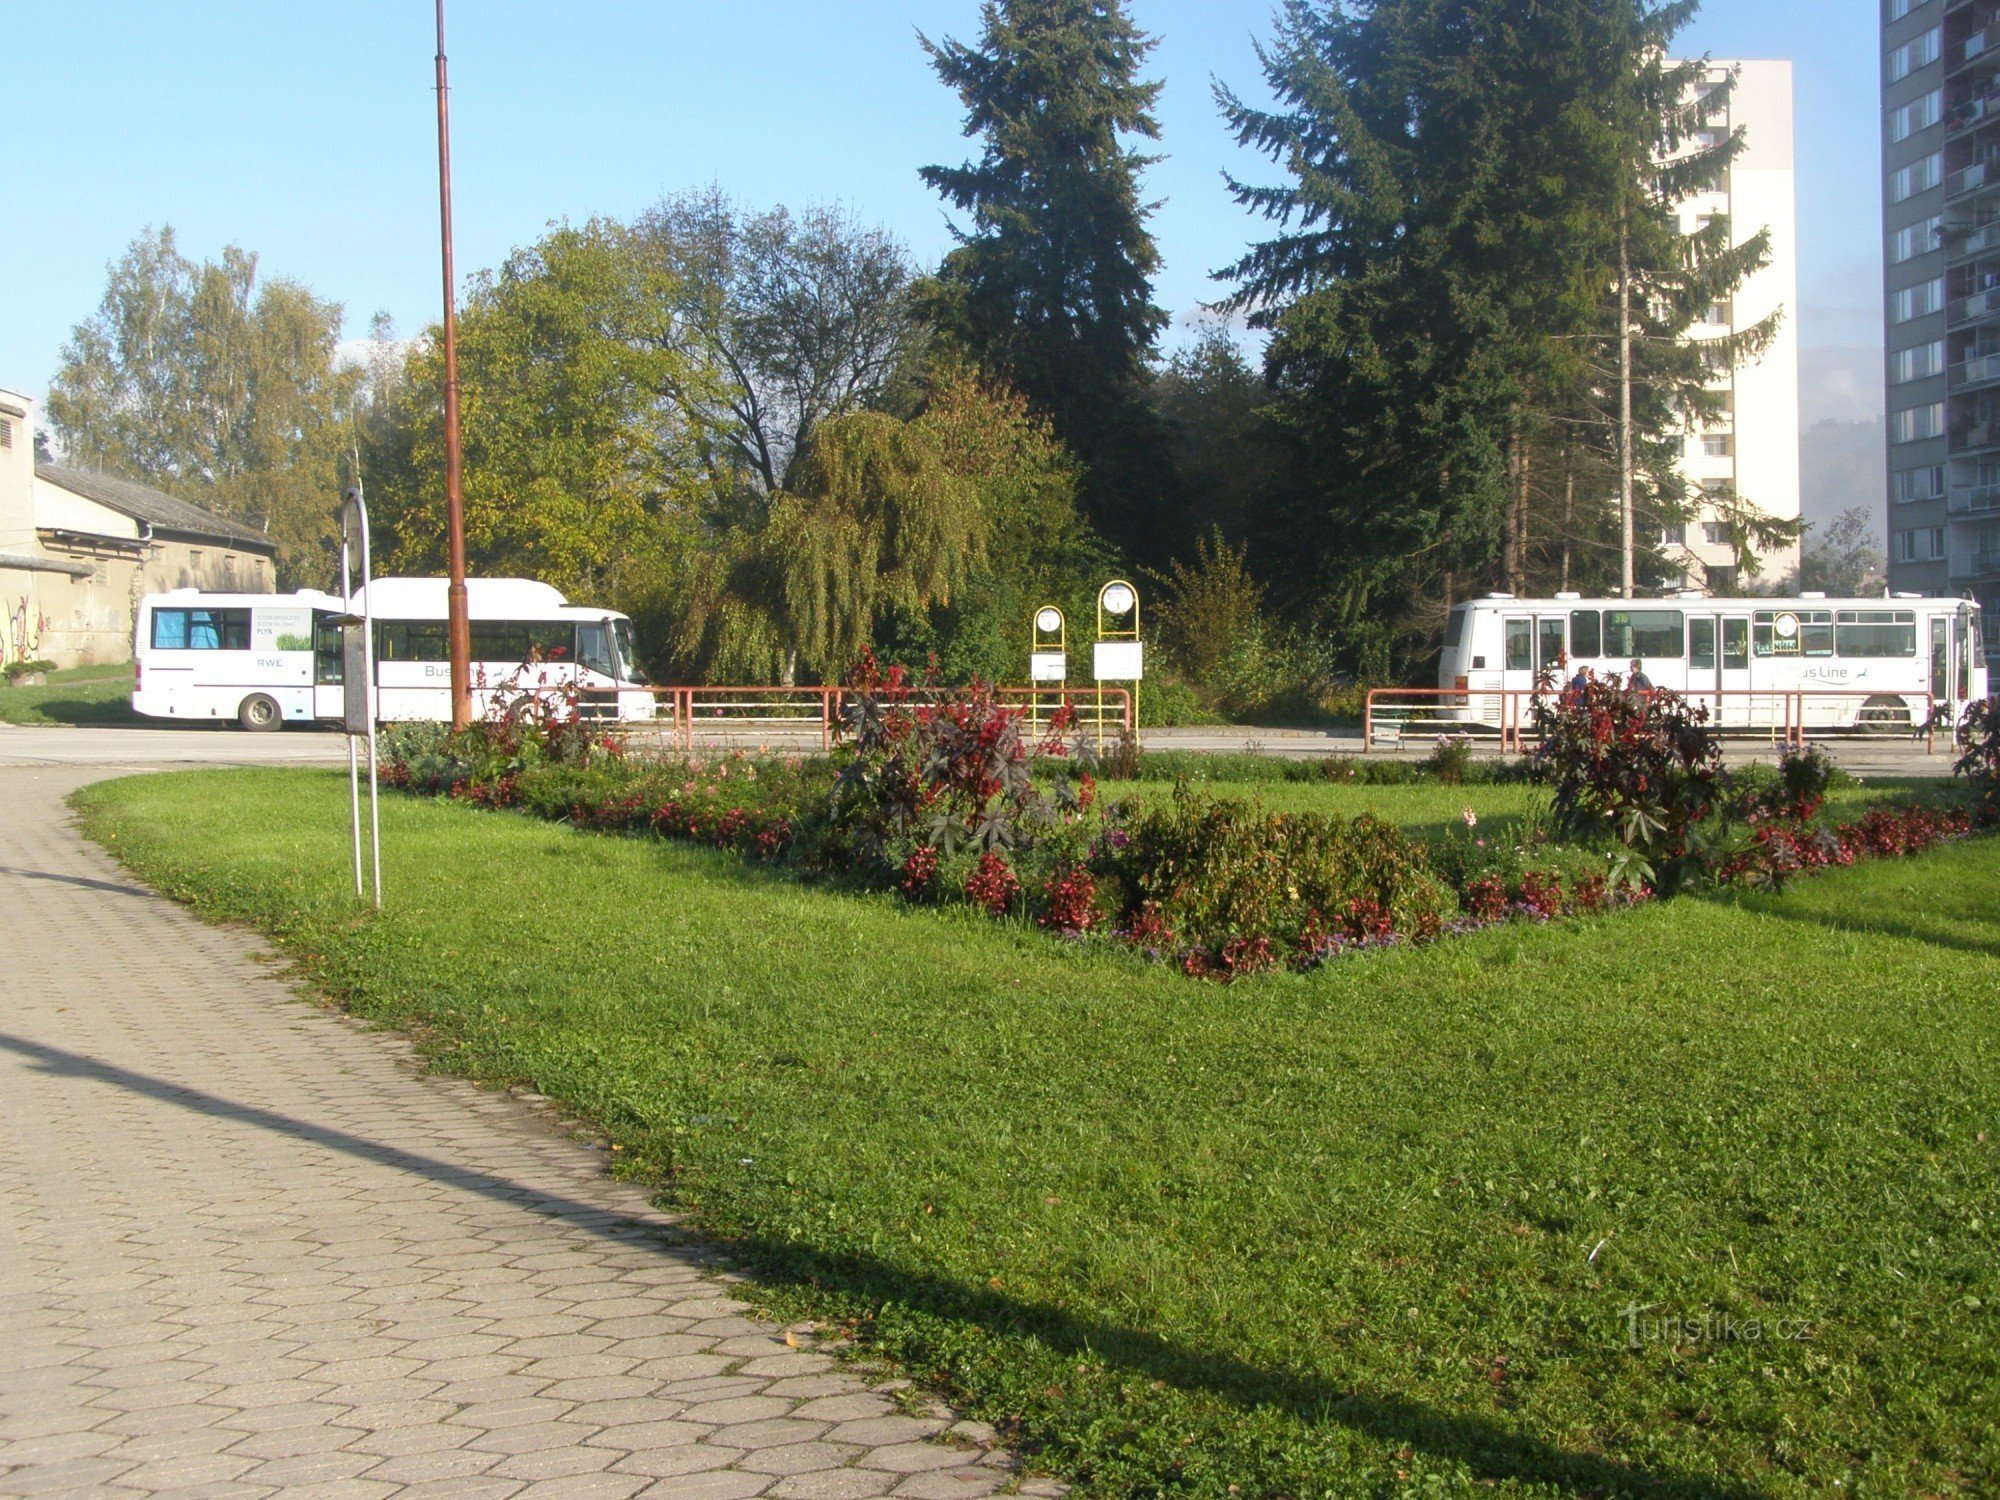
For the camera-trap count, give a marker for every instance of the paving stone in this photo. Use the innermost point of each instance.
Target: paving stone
(833, 1484)
(248, 1249)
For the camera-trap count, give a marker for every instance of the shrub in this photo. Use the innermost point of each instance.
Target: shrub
(1795, 788)
(952, 773)
(1449, 758)
(1212, 873)
(1978, 739)
(1643, 769)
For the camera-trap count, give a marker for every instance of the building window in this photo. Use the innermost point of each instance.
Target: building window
(1919, 52)
(1927, 483)
(6, 433)
(1920, 176)
(1717, 315)
(1915, 239)
(1922, 544)
(1914, 423)
(194, 559)
(1917, 362)
(1715, 533)
(1918, 301)
(1717, 444)
(1918, 114)
(1901, 8)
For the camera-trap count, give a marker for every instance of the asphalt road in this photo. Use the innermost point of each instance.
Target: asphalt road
(207, 745)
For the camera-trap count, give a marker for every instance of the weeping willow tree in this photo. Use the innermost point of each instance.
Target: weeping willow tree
(885, 524)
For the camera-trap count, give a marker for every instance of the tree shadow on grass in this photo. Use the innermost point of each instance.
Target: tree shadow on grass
(79, 712)
(1491, 1449)
(1890, 924)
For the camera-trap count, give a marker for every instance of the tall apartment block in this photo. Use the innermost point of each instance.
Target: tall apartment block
(1941, 283)
(1753, 450)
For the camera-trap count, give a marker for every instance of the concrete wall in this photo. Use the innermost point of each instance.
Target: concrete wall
(20, 590)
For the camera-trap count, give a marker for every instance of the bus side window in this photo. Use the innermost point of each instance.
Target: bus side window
(1735, 645)
(1701, 643)
(1585, 638)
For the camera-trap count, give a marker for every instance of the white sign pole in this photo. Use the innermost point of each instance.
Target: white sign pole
(353, 761)
(354, 518)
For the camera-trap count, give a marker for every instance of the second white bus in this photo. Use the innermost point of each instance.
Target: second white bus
(1881, 664)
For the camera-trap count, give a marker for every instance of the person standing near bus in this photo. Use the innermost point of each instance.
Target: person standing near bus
(1637, 680)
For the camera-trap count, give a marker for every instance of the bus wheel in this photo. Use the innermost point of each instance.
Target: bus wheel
(259, 712)
(1883, 714)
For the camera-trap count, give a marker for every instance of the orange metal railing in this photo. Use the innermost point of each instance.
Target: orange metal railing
(1786, 714)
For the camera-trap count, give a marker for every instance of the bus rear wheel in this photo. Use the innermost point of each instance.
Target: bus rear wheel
(260, 712)
(1884, 714)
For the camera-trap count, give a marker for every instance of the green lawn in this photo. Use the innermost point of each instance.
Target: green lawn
(77, 695)
(1371, 1231)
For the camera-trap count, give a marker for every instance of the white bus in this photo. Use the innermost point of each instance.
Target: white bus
(1874, 664)
(270, 659)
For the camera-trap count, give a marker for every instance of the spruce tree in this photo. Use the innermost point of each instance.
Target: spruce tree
(1443, 298)
(1051, 283)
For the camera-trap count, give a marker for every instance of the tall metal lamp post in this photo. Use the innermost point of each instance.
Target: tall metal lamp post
(459, 628)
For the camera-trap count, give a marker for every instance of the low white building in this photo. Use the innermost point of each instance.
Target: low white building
(79, 549)
(1754, 451)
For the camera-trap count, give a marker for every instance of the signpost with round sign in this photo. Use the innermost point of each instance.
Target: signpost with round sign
(1118, 654)
(1048, 659)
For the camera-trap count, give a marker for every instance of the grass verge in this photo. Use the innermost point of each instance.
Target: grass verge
(1378, 1230)
(76, 695)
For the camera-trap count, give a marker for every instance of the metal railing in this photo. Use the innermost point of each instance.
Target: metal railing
(1393, 716)
(760, 714)
(1973, 370)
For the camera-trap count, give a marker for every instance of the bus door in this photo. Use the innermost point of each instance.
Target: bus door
(1940, 660)
(1532, 649)
(328, 702)
(1961, 659)
(1719, 666)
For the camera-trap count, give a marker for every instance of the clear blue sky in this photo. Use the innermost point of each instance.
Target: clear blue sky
(305, 133)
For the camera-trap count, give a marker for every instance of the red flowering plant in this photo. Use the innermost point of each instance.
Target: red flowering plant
(1643, 769)
(949, 770)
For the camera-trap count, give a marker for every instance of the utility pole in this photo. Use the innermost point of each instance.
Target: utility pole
(459, 627)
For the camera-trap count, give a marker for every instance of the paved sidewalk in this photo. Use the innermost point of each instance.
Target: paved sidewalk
(247, 1249)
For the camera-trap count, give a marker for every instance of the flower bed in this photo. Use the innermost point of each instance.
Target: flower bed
(940, 801)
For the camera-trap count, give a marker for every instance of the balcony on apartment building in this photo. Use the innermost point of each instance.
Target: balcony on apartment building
(1975, 426)
(1972, 239)
(1971, 36)
(1975, 369)
(1976, 564)
(1982, 302)
(1977, 499)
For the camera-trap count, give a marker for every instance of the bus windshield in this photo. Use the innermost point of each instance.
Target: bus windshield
(628, 654)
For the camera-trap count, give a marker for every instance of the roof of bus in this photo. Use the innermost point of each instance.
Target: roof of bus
(1674, 601)
(487, 598)
(307, 597)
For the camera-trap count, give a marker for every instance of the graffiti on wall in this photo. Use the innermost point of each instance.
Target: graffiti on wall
(23, 641)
